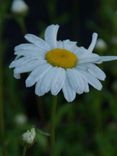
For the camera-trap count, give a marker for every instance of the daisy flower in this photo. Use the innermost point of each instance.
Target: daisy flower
(29, 136)
(59, 65)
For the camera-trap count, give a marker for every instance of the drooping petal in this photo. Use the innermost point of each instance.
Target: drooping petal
(37, 87)
(20, 61)
(93, 42)
(37, 41)
(75, 80)
(27, 67)
(86, 89)
(58, 81)
(68, 91)
(44, 85)
(51, 35)
(86, 86)
(96, 72)
(92, 80)
(36, 74)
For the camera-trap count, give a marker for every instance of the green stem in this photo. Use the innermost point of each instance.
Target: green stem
(54, 105)
(24, 150)
(1, 107)
(21, 22)
(22, 25)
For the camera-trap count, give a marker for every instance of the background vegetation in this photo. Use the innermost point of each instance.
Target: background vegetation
(88, 127)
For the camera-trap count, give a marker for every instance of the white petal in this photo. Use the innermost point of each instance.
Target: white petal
(69, 45)
(89, 58)
(28, 50)
(108, 58)
(27, 67)
(92, 80)
(68, 91)
(27, 53)
(96, 72)
(26, 46)
(93, 42)
(44, 85)
(58, 81)
(86, 89)
(37, 41)
(37, 87)
(51, 35)
(16, 75)
(20, 61)
(83, 66)
(76, 80)
(36, 74)
(60, 44)
(86, 86)
(79, 51)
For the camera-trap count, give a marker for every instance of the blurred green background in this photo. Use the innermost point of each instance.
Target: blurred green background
(88, 127)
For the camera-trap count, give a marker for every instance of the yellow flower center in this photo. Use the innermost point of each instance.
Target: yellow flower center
(61, 58)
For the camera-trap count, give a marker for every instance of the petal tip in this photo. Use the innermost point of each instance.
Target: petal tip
(95, 35)
(28, 83)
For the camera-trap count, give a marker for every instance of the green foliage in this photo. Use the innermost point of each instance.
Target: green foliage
(88, 127)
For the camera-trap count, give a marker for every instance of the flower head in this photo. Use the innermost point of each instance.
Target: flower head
(59, 65)
(20, 119)
(29, 136)
(19, 6)
(101, 44)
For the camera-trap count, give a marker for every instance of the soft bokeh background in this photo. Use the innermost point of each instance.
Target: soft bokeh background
(88, 127)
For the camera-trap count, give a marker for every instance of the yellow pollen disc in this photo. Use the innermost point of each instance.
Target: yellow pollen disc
(61, 58)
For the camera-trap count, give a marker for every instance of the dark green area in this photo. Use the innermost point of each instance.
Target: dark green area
(88, 127)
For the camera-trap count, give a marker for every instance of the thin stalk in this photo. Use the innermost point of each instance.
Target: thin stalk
(24, 151)
(53, 127)
(21, 22)
(1, 102)
(2, 128)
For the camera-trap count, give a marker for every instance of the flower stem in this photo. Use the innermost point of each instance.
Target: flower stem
(21, 22)
(1, 107)
(54, 105)
(2, 135)
(24, 150)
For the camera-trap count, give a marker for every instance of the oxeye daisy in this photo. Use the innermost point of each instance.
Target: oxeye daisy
(59, 65)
